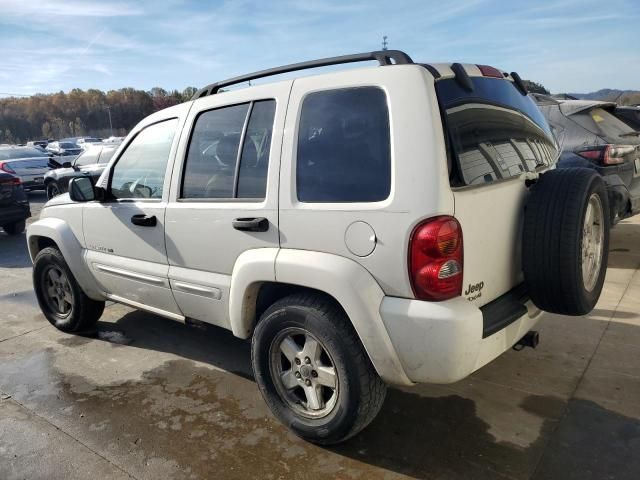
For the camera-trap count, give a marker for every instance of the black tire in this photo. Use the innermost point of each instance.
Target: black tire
(53, 190)
(83, 312)
(15, 228)
(552, 241)
(360, 392)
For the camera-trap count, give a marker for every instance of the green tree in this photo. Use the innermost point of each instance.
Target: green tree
(535, 87)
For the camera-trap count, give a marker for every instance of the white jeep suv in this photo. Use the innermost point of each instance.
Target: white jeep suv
(398, 223)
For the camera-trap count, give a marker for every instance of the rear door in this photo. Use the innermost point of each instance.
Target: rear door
(224, 194)
(496, 134)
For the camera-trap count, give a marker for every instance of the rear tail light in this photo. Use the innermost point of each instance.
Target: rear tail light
(606, 154)
(488, 71)
(11, 181)
(6, 168)
(435, 259)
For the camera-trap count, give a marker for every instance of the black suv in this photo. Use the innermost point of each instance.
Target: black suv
(14, 205)
(90, 163)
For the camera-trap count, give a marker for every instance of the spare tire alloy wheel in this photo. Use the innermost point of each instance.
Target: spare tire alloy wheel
(566, 241)
(303, 373)
(592, 242)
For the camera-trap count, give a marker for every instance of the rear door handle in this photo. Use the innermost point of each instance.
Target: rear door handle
(144, 220)
(258, 224)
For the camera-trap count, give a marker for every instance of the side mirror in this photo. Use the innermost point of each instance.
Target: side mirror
(81, 189)
(66, 165)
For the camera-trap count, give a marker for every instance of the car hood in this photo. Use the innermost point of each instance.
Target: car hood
(571, 107)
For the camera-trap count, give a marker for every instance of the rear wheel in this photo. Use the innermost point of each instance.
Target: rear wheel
(313, 371)
(566, 241)
(15, 228)
(61, 299)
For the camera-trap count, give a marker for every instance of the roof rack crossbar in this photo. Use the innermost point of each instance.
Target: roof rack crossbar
(384, 57)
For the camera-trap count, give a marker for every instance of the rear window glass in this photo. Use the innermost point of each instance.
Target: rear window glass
(344, 152)
(603, 123)
(26, 152)
(495, 132)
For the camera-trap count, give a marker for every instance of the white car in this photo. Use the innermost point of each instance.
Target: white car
(399, 224)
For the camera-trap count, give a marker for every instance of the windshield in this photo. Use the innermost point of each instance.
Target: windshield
(68, 145)
(25, 152)
(494, 131)
(607, 126)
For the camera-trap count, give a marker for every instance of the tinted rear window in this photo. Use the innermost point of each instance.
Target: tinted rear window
(605, 125)
(344, 151)
(494, 131)
(26, 152)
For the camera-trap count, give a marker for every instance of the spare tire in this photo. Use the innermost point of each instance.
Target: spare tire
(566, 240)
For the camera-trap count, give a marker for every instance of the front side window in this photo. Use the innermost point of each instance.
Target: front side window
(344, 149)
(213, 168)
(495, 132)
(140, 170)
(89, 157)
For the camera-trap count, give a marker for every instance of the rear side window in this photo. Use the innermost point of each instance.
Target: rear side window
(213, 167)
(494, 131)
(344, 152)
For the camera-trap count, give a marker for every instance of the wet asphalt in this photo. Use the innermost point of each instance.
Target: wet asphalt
(149, 398)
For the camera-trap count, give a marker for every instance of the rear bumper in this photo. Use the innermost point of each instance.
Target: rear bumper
(446, 341)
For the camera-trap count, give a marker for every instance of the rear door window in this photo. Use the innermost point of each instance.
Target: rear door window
(344, 151)
(494, 131)
(213, 168)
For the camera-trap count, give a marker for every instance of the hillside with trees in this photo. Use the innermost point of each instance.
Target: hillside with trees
(81, 112)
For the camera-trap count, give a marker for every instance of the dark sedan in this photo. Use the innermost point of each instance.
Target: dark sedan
(90, 162)
(14, 205)
(592, 137)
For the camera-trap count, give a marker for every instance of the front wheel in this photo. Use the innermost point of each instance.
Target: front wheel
(312, 370)
(53, 190)
(61, 299)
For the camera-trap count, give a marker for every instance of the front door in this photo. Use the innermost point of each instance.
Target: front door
(125, 235)
(224, 195)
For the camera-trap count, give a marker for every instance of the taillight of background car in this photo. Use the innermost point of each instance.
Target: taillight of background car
(435, 259)
(5, 167)
(606, 154)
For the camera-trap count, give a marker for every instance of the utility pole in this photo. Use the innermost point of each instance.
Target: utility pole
(384, 42)
(110, 124)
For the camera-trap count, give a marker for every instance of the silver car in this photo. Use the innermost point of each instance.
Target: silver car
(28, 163)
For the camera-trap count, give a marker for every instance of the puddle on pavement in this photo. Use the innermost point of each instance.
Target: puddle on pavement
(182, 420)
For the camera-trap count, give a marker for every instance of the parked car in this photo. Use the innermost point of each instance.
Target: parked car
(629, 115)
(84, 142)
(362, 227)
(64, 149)
(594, 138)
(38, 144)
(91, 162)
(28, 163)
(14, 205)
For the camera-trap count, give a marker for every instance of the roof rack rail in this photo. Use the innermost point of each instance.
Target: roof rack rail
(384, 57)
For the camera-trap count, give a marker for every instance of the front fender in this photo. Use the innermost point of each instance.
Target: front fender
(59, 231)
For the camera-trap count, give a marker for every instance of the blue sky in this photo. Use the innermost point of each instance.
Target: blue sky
(52, 45)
